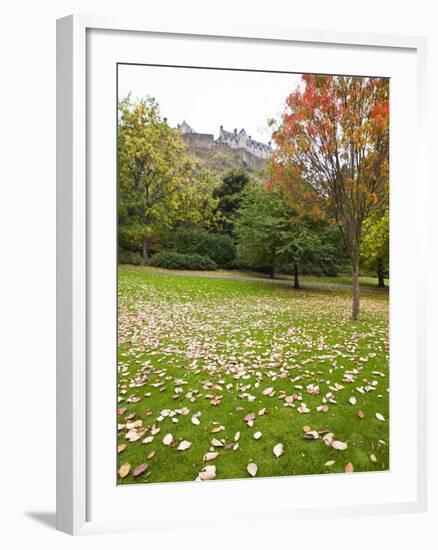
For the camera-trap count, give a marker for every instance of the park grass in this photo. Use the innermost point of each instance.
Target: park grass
(343, 280)
(184, 340)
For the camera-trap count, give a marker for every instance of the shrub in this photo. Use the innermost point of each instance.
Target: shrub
(129, 257)
(174, 260)
(218, 247)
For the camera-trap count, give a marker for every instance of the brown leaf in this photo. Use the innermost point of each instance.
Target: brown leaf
(124, 469)
(140, 469)
(121, 448)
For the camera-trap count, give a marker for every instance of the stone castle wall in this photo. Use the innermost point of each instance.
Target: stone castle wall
(203, 141)
(207, 141)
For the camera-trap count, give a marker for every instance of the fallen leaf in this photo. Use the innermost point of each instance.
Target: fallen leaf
(311, 435)
(195, 420)
(184, 445)
(349, 468)
(249, 417)
(329, 463)
(278, 450)
(339, 445)
(121, 448)
(306, 429)
(207, 473)
(360, 414)
(257, 435)
(133, 436)
(352, 400)
(151, 454)
(373, 458)
(217, 443)
(140, 469)
(210, 456)
(148, 439)
(237, 436)
(380, 417)
(168, 439)
(124, 469)
(252, 469)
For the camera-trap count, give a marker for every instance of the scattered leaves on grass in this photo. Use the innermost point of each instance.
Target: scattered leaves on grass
(252, 469)
(184, 445)
(168, 439)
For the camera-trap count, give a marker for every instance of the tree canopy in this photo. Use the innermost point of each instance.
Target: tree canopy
(158, 182)
(272, 236)
(332, 154)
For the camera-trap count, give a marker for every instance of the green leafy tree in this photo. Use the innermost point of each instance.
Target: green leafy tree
(229, 196)
(158, 182)
(375, 246)
(272, 236)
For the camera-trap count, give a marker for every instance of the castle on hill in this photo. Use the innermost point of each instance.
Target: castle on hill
(253, 153)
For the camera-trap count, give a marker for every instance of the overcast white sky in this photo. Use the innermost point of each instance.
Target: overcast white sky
(207, 98)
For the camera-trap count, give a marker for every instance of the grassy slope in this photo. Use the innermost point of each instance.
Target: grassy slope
(200, 331)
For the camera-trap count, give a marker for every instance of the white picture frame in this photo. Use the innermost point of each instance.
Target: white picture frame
(73, 261)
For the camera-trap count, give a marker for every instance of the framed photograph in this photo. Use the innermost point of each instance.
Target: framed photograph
(241, 301)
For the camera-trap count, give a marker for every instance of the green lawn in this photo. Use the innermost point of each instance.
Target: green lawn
(345, 280)
(209, 348)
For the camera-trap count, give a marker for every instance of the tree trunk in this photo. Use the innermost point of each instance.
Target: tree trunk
(355, 283)
(380, 273)
(296, 280)
(145, 248)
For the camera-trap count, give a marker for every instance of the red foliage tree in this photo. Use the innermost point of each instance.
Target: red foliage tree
(332, 154)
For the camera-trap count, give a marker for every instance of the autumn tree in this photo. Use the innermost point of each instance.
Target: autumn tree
(332, 154)
(158, 182)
